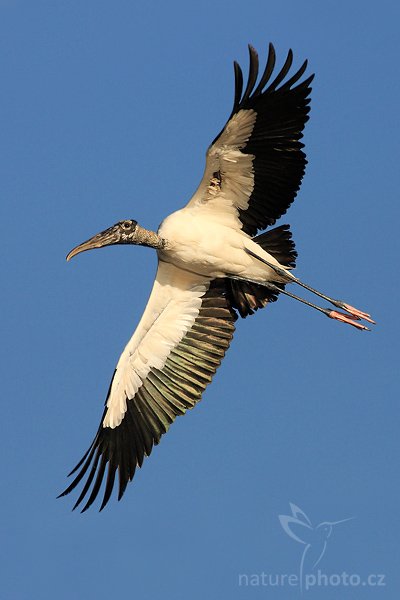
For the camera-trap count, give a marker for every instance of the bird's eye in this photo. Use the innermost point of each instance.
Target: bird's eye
(127, 224)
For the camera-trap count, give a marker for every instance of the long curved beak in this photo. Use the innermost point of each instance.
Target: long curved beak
(104, 238)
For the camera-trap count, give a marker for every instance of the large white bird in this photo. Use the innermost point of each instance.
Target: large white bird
(210, 267)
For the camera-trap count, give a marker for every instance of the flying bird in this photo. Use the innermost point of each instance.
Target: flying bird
(213, 265)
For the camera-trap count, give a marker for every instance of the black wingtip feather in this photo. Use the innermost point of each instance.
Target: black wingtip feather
(80, 463)
(282, 73)
(88, 481)
(97, 483)
(109, 483)
(82, 472)
(238, 85)
(269, 68)
(253, 73)
(292, 80)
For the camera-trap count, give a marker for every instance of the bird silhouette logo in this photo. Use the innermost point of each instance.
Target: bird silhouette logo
(315, 539)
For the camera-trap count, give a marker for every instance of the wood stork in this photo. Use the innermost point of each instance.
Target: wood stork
(210, 268)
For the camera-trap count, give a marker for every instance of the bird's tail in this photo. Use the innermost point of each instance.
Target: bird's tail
(247, 297)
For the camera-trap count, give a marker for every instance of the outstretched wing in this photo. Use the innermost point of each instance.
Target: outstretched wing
(255, 166)
(171, 358)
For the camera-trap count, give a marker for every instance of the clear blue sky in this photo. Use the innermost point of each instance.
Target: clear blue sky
(106, 110)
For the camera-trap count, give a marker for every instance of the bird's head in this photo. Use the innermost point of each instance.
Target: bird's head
(123, 232)
(325, 529)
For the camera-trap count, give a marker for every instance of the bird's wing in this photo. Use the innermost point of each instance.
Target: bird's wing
(171, 358)
(255, 166)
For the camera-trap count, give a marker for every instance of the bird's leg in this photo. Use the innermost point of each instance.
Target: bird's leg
(290, 278)
(332, 314)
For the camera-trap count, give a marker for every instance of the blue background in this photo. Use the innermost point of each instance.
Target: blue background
(106, 111)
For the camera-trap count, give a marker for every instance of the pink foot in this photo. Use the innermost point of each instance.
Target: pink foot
(358, 314)
(350, 319)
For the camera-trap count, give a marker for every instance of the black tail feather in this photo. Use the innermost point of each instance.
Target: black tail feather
(248, 297)
(279, 243)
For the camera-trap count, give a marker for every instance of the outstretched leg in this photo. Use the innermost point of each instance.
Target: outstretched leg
(290, 278)
(332, 314)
